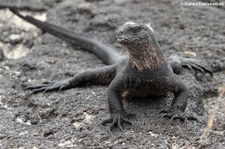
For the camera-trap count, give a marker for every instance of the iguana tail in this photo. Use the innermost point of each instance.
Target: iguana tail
(104, 52)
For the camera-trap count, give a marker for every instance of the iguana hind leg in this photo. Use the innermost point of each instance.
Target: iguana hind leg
(177, 63)
(103, 75)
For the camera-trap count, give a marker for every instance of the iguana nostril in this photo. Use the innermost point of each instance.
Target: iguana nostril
(120, 32)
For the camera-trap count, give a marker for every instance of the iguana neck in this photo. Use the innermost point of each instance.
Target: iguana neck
(146, 56)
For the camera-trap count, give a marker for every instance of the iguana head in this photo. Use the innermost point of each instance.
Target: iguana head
(143, 49)
(131, 34)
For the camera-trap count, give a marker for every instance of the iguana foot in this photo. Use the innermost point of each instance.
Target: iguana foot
(116, 119)
(196, 65)
(50, 86)
(174, 114)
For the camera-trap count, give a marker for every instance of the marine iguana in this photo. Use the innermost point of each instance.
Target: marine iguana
(143, 73)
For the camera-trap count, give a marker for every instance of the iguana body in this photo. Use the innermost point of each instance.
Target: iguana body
(143, 73)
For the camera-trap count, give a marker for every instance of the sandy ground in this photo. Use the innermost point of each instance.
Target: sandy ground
(71, 118)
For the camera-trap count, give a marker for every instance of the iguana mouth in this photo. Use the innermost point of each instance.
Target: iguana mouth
(122, 40)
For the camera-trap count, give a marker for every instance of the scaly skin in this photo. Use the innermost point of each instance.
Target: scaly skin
(143, 73)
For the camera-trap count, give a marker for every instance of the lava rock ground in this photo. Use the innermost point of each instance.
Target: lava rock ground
(71, 118)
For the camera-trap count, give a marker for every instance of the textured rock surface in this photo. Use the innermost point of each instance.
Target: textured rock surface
(72, 118)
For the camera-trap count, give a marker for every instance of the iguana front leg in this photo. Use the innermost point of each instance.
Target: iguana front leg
(102, 75)
(117, 112)
(179, 103)
(177, 63)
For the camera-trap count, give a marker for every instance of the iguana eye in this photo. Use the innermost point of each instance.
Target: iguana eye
(136, 29)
